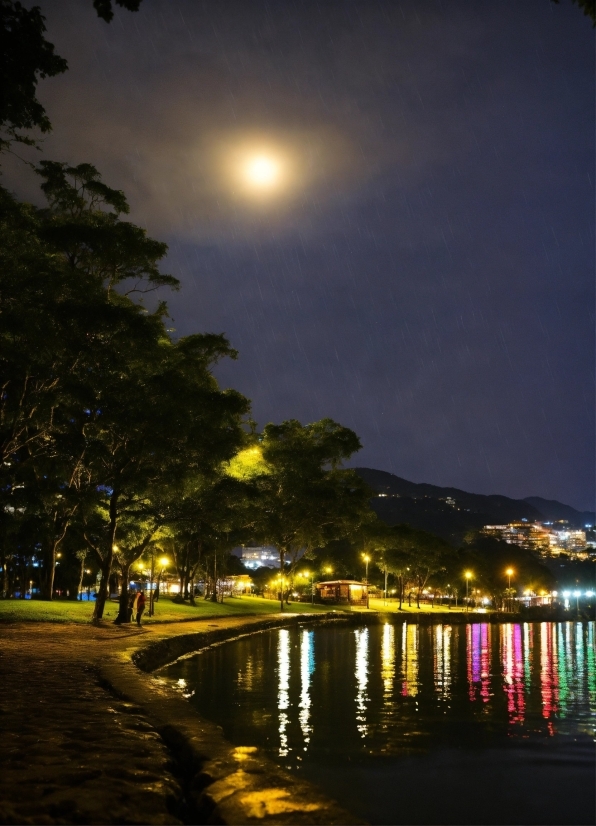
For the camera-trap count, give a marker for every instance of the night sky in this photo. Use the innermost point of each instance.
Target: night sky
(424, 272)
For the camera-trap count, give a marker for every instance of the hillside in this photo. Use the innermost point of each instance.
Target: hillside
(451, 512)
(553, 510)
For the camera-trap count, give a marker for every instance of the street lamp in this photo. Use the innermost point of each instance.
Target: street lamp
(310, 576)
(577, 595)
(468, 576)
(163, 562)
(366, 559)
(509, 573)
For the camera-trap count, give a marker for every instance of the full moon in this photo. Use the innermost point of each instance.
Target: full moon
(262, 171)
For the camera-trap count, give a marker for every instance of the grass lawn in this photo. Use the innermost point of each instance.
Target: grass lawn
(63, 610)
(19, 610)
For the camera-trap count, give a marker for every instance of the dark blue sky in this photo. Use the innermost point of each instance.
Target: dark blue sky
(428, 276)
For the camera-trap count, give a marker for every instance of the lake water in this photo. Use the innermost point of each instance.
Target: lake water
(467, 724)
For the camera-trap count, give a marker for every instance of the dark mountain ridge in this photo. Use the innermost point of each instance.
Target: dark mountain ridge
(554, 511)
(452, 513)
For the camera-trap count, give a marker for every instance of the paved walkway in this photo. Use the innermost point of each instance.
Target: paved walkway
(71, 751)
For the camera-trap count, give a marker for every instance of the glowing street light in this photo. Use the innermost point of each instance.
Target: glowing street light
(577, 595)
(468, 576)
(366, 559)
(310, 576)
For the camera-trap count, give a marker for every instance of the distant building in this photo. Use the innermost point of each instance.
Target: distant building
(547, 540)
(567, 539)
(257, 556)
(530, 535)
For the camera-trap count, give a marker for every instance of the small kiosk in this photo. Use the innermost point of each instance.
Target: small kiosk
(342, 591)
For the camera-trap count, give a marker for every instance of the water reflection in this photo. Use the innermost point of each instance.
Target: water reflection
(283, 694)
(388, 662)
(361, 679)
(513, 701)
(513, 671)
(409, 660)
(549, 677)
(386, 689)
(307, 666)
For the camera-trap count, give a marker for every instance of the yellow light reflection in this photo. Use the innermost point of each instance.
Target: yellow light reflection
(442, 659)
(409, 653)
(283, 694)
(388, 661)
(361, 679)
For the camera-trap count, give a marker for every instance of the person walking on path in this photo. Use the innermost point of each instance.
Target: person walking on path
(140, 606)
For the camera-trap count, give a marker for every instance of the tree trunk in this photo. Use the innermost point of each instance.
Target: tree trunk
(123, 615)
(5, 587)
(46, 581)
(281, 587)
(59, 528)
(106, 563)
(214, 594)
(81, 575)
(401, 592)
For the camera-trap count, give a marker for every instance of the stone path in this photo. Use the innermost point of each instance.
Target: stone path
(72, 752)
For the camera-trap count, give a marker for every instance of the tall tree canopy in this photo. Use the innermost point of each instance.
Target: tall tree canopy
(307, 498)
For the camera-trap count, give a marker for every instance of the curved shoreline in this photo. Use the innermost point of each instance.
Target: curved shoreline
(221, 783)
(235, 785)
(93, 734)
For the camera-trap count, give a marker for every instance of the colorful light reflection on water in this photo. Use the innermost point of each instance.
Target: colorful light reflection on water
(320, 701)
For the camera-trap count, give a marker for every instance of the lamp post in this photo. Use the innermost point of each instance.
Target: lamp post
(468, 576)
(310, 576)
(366, 559)
(163, 562)
(151, 578)
(509, 573)
(577, 595)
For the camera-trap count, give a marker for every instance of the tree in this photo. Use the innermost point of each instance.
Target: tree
(100, 409)
(413, 556)
(69, 339)
(213, 514)
(164, 420)
(26, 57)
(307, 499)
(488, 559)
